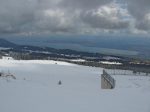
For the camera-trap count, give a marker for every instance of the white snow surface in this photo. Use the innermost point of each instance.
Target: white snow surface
(4, 48)
(110, 63)
(36, 89)
(7, 58)
(78, 60)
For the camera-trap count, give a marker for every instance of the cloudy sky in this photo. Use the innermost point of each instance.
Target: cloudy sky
(29, 17)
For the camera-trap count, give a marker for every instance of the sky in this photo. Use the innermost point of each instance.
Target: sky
(75, 17)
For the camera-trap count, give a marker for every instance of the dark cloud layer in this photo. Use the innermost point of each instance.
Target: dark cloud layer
(104, 20)
(73, 16)
(84, 4)
(140, 10)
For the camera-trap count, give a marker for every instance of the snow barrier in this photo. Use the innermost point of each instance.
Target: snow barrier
(107, 82)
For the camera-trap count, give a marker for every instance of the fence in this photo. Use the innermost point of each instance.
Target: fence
(107, 82)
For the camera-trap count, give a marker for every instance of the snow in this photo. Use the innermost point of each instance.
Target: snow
(110, 63)
(111, 58)
(36, 89)
(4, 48)
(7, 58)
(12, 62)
(125, 72)
(78, 60)
(44, 52)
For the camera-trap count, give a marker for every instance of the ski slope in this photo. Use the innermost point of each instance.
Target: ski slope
(36, 89)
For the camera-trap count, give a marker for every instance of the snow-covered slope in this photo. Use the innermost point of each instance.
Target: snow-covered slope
(36, 89)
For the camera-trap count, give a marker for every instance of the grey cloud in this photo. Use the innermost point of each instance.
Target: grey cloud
(68, 16)
(105, 19)
(52, 21)
(15, 15)
(143, 25)
(26, 16)
(140, 9)
(84, 4)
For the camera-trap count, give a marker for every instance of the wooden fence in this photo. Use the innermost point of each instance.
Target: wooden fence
(107, 82)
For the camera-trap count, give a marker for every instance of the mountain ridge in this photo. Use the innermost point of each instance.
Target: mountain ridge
(6, 43)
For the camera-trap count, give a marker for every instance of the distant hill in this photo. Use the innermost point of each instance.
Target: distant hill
(5, 43)
(28, 48)
(137, 47)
